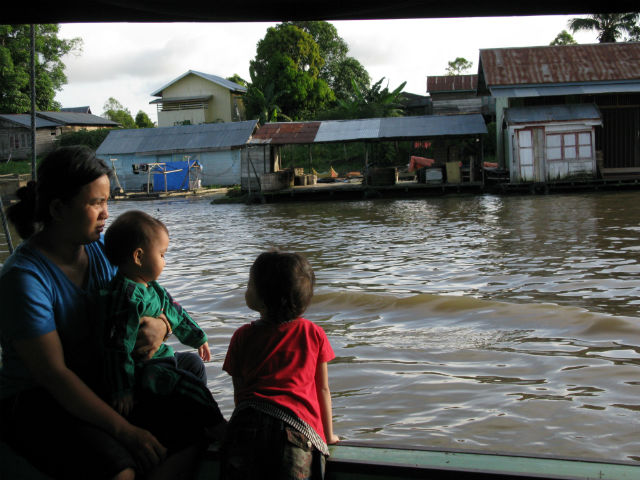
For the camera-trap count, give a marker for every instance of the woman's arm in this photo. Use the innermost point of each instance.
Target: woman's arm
(324, 399)
(44, 358)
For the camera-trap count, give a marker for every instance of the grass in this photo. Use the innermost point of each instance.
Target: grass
(15, 166)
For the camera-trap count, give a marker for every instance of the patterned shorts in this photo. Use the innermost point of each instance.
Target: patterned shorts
(260, 446)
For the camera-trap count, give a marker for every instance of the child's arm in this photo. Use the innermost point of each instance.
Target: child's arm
(204, 352)
(324, 399)
(184, 327)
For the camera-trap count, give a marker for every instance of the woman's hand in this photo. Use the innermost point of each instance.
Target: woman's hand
(147, 450)
(204, 352)
(151, 334)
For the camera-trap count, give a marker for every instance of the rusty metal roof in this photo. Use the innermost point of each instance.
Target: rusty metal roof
(451, 83)
(281, 133)
(603, 62)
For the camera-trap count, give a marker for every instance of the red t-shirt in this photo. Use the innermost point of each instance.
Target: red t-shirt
(278, 363)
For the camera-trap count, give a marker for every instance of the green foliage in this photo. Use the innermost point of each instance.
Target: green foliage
(338, 69)
(459, 66)
(16, 166)
(15, 66)
(90, 138)
(563, 38)
(235, 78)
(374, 102)
(265, 104)
(115, 111)
(143, 120)
(610, 26)
(289, 59)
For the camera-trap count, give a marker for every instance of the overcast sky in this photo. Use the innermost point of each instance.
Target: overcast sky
(129, 61)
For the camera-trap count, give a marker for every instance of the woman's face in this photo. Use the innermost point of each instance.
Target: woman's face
(83, 218)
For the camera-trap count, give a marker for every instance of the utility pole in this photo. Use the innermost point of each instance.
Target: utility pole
(33, 102)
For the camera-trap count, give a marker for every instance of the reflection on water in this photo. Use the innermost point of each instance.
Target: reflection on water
(481, 322)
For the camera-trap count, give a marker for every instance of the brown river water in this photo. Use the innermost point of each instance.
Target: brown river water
(508, 324)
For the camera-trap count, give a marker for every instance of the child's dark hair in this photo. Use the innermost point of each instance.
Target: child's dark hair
(61, 175)
(131, 230)
(284, 284)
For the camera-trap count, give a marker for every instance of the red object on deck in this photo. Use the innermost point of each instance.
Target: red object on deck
(417, 163)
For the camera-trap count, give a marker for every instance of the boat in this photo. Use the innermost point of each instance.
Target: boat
(366, 461)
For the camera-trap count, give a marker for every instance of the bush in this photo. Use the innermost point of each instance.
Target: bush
(90, 138)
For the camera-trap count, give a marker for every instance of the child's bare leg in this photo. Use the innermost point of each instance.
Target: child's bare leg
(128, 474)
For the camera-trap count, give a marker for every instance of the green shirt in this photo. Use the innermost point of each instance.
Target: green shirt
(122, 305)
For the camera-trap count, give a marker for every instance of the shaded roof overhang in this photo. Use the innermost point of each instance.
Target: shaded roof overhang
(65, 11)
(630, 86)
(553, 113)
(194, 98)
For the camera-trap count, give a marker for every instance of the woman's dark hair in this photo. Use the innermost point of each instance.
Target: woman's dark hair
(284, 283)
(61, 175)
(131, 230)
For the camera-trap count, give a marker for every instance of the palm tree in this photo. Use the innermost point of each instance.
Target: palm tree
(610, 26)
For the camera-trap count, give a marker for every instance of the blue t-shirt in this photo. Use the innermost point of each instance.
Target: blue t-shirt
(36, 297)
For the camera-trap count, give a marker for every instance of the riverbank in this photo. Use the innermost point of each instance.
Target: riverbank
(355, 189)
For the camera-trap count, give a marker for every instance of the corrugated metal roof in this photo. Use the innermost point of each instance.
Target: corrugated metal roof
(432, 126)
(451, 83)
(210, 136)
(370, 129)
(234, 134)
(345, 130)
(561, 64)
(86, 109)
(283, 133)
(552, 113)
(234, 87)
(75, 118)
(24, 120)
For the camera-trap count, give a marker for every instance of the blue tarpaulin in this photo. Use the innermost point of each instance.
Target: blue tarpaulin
(176, 173)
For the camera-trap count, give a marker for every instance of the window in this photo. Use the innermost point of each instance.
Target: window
(569, 146)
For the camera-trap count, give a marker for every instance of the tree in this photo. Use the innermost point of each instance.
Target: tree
(289, 59)
(15, 66)
(374, 102)
(264, 104)
(563, 38)
(113, 110)
(143, 120)
(459, 66)
(235, 78)
(338, 69)
(610, 26)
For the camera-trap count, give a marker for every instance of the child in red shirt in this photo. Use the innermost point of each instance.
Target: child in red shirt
(282, 422)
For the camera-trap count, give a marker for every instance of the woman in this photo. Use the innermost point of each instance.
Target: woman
(50, 413)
